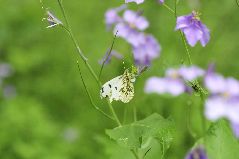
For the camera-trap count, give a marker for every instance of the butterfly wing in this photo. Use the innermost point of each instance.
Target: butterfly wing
(127, 89)
(111, 89)
(119, 88)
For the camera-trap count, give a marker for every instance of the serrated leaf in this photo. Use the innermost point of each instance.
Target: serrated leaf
(134, 135)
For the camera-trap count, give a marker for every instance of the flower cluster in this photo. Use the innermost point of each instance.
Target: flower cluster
(223, 101)
(131, 26)
(191, 25)
(175, 81)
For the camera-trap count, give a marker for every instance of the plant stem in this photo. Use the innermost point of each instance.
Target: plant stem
(167, 7)
(90, 97)
(108, 55)
(135, 113)
(135, 154)
(186, 47)
(181, 33)
(202, 113)
(113, 113)
(67, 28)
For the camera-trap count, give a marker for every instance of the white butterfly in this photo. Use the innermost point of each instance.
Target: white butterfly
(119, 88)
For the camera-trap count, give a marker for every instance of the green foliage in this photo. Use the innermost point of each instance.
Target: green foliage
(28, 133)
(136, 134)
(220, 142)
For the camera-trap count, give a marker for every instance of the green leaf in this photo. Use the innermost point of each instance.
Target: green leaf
(220, 142)
(136, 134)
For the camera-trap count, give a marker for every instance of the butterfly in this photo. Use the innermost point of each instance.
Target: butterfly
(120, 88)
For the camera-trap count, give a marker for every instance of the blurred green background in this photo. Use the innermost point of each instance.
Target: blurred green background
(50, 117)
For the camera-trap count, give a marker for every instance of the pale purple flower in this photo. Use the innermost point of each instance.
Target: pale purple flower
(161, 1)
(174, 81)
(131, 35)
(224, 99)
(186, 73)
(235, 128)
(197, 153)
(112, 17)
(191, 73)
(193, 29)
(217, 84)
(156, 85)
(112, 54)
(134, 20)
(136, 1)
(130, 26)
(148, 50)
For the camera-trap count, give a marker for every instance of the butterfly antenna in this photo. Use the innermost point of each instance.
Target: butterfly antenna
(90, 97)
(108, 54)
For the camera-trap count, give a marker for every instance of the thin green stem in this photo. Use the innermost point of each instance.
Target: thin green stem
(204, 128)
(67, 28)
(186, 47)
(114, 114)
(135, 154)
(167, 7)
(82, 55)
(90, 97)
(194, 135)
(108, 55)
(181, 33)
(135, 113)
(63, 12)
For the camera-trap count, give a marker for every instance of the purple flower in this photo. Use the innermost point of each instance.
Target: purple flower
(193, 29)
(146, 51)
(161, 1)
(235, 128)
(197, 153)
(190, 73)
(164, 85)
(224, 99)
(174, 81)
(134, 20)
(217, 84)
(130, 27)
(136, 1)
(186, 73)
(112, 17)
(131, 35)
(112, 54)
